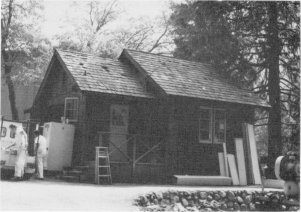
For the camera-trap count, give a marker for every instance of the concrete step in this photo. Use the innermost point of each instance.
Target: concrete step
(202, 180)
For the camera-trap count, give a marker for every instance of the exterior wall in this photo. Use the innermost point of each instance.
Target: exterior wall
(194, 158)
(50, 104)
(146, 125)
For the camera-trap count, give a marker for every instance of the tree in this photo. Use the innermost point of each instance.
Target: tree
(22, 49)
(255, 44)
(147, 35)
(97, 32)
(89, 27)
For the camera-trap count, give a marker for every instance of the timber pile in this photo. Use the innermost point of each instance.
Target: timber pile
(216, 201)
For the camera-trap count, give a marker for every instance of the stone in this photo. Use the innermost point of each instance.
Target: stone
(209, 198)
(165, 202)
(248, 199)
(244, 194)
(217, 197)
(176, 199)
(239, 200)
(184, 202)
(223, 194)
(191, 203)
(215, 204)
(293, 208)
(252, 207)
(203, 195)
(230, 196)
(229, 204)
(283, 207)
(224, 206)
(243, 207)
(159, 196)
(156, 202)
(264, 198)
(236, 206)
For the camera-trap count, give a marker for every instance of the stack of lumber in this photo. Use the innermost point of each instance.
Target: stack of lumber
(244, 169)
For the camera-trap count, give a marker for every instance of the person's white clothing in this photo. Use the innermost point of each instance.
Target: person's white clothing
(21, 146)
(41, 154)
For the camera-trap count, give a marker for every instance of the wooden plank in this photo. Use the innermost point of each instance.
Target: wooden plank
(240, 157)
(202, 180)
(271, 183)
(222, 166)
(233, 170)
(225, 155)
(250, 178)
(254, 155)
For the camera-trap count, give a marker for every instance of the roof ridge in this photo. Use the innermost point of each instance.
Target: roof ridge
(172, 57)
(83, 52)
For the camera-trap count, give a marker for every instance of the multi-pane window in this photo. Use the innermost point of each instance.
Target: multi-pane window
(219, 126)
(212, 125)
(205, 125)
(71, 108)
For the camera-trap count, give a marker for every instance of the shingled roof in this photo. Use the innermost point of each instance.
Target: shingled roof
(98, 74)
(190, 79)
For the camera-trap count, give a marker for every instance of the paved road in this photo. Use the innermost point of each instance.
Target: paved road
(57, 195)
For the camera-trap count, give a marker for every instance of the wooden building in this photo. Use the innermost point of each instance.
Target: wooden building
(159, 115)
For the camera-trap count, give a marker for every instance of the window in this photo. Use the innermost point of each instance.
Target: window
(219, 126)
(205, 125)
(212, 125)
(71, 108)
(3, 131)
(12, 133)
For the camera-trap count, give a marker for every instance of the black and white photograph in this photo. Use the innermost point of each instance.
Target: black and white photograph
(150, 105)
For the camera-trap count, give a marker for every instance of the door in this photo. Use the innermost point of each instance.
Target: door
(119, 118)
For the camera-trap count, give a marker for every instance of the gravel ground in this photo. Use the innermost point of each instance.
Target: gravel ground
(58, 195)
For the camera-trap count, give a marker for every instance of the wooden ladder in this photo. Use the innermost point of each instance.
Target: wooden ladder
(102, 162)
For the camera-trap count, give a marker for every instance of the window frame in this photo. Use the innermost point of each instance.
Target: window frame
(209, 141)
(213, 124)
(77, 108)
(212, 129)
(3, 129)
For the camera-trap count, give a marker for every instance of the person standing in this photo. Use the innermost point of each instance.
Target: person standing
(21, 144)
(40, 153)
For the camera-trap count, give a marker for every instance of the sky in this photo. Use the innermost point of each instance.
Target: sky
(56, 12)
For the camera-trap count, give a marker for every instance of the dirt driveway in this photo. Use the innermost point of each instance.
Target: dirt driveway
(57, 195)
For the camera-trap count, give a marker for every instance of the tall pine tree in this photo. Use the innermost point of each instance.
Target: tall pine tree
(255, 44)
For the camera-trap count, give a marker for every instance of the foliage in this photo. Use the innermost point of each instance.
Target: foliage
(98, 31)
(22, 48)
(21, 39)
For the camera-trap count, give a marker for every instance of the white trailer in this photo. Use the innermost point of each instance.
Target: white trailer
(8, 156)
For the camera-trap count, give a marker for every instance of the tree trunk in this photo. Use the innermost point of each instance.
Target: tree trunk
(274, 124)
(10, 85)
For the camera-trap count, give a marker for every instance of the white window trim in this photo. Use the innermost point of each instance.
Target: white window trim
(212, 126)
(71, 98)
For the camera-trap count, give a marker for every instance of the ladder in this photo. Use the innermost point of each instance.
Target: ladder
(102, 165)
